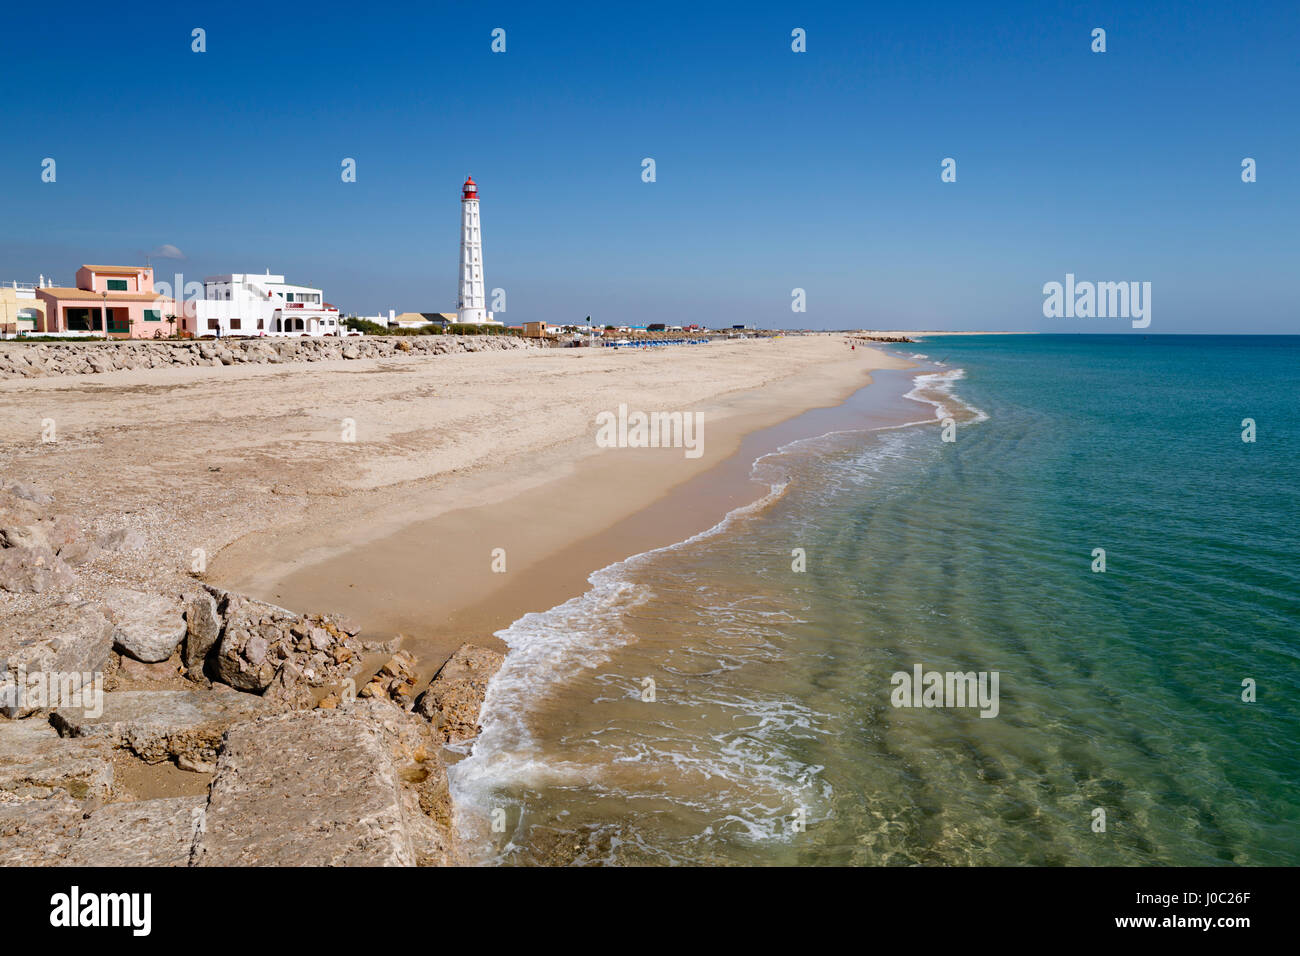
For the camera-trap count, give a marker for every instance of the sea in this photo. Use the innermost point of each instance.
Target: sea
(1105, 523)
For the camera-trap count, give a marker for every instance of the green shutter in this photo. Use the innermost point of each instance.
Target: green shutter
(116, 285)
(152, 315)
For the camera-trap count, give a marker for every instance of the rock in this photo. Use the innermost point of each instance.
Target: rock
(158, 725)
(257, 638)
(138, 672)
(417, 756)
(289, 689)
(139, 833)
(74, 358)
(40, 832)
(241, 656)
(28, 492)
(202, 629)
(79, 552)
(194, 765)
(23, 536)
(456, 693)
(123, 540)
(239, 665)
(35, 569)
(19, 511)
(149, 627)
(35, 763)
(62, 532)
(358, 787)
(64, 639)
(394, 682)
(401, 665)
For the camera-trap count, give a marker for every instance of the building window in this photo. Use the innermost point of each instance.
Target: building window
(234, 323)
(288, 297)
(213, 324)
(152, 315)
(116, 285)
(261, 323)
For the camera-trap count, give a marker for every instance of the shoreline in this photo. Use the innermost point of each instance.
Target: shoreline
(133, 493)
(368, 566)
(544, 651)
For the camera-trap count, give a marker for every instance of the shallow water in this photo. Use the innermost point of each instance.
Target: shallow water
(771, 737)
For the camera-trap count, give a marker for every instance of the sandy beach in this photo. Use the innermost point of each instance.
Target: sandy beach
(249, 470)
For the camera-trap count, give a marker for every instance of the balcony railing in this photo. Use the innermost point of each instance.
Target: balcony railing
(25, 286)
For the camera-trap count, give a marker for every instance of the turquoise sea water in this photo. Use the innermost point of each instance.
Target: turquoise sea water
(772, 737)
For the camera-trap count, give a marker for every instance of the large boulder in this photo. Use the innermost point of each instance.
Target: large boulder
(64, 639)
(33, 569)
(455, 695)
(35, 763)
(139, 833)
(39, 832)
(80, 552)
(364, 786)
(157, 725)
(15, 535)
(148, 627)
(258, 639)
(202, 630)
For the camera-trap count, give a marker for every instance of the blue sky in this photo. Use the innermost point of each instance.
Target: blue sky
(775, 169)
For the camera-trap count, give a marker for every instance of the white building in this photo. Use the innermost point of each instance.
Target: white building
(20, 312)
(471, 306)
(259, 305)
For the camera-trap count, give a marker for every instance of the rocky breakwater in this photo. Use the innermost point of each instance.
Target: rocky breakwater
(41, 359)
(257, 704)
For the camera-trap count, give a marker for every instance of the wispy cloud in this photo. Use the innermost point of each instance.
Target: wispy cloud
(166, 251)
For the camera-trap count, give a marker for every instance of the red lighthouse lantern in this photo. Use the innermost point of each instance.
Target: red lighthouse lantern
(469, 191)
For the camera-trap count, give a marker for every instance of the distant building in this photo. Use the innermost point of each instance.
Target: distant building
(259, 305)
(417, 320)
(20, 311)
(122, 297)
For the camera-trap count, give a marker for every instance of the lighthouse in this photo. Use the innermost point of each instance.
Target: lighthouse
(471, 307)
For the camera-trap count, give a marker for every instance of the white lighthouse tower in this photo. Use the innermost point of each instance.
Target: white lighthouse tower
(471, 307)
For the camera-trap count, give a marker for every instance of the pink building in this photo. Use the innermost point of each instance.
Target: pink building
(124, 292)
